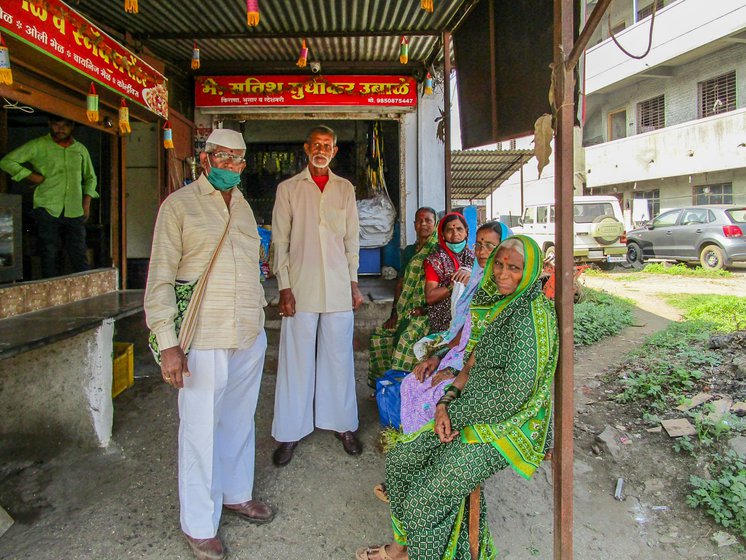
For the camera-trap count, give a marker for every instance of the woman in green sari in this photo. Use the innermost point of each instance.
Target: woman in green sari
(497, 413)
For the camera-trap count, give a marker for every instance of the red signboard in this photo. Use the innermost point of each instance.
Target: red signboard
(59, 31)
(283, 91)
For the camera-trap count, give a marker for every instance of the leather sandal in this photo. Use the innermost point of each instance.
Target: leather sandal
(380, 492)
(364, 553)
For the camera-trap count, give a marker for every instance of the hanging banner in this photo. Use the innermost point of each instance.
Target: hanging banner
(283, 91)
(59, 31)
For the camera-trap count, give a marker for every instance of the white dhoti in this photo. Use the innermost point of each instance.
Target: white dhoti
(315, 375)
(216, 433)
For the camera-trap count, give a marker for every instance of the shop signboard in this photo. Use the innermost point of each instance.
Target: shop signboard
(59, 31)
(317, 90)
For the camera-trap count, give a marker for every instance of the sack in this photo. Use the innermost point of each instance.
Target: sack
(388, 398)
(184, 291)
(377, 216)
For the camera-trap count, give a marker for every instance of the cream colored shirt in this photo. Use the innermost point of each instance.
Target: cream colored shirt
(316, 240)
(190, 224)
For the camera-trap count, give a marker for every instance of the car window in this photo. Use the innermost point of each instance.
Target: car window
(528, 215)
(586, 213)
(667, 219)
(737, 215)
(693, 216)
(541, 215)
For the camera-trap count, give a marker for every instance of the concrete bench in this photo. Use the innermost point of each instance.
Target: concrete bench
(56, 368)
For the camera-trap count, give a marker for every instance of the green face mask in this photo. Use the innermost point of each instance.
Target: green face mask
(223, 179)
(456, 247)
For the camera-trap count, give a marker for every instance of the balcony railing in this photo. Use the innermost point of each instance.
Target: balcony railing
(704, 145)
(680, 28)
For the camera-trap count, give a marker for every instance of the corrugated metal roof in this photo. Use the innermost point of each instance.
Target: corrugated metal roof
(477, 173)
(337, 31)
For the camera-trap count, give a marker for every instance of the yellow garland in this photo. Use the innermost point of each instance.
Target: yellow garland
(131, 7)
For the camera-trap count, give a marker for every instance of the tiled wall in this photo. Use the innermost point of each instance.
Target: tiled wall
(33, 296)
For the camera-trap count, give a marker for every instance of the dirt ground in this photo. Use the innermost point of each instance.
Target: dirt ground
(122, 502)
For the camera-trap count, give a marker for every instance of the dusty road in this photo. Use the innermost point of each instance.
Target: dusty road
(122, 503)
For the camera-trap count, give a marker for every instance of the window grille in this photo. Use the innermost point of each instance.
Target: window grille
(719, 193)
(717, 95)
(513, 144)
(646, 11)
(651, 114)
(654, 200)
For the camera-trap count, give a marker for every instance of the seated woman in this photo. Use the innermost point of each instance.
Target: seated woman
(497, 413)
(449, 263)
(419, 391)
(391, 345)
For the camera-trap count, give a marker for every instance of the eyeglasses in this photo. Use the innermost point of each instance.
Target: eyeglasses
(223, 157)
(486, 245)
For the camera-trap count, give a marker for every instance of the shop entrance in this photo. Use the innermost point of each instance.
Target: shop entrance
(23, 123)
(275, 153)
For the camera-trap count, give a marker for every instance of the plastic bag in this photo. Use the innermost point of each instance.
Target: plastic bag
(377, 216)
(388, 397)
(265, 237)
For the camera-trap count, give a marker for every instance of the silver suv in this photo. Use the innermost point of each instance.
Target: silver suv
(711, 234)
(598, 229)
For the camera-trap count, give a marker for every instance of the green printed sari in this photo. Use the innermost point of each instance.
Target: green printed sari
(393, 348)
(503, 415)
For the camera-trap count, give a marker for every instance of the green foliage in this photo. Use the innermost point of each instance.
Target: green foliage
(725, 313)
(684, 445)
(683, 270)
(668, 366)
(599, 315)
(723, 496)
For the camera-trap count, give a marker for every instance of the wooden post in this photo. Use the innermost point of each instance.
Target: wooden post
(447, 115)
(562, 467)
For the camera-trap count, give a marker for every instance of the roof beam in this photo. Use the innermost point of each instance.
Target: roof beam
(289, 35)
(235, 67)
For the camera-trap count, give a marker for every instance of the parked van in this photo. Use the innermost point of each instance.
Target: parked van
(599, 235)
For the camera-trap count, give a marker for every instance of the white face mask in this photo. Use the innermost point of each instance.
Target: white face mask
(321, 161)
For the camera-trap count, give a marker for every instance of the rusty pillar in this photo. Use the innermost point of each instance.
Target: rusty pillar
(562, 466)
(447, 115)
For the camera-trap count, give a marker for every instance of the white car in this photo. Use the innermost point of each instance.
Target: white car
(599, 235)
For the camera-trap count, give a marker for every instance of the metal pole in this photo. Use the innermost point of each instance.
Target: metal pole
(562, 467)
(447, 114)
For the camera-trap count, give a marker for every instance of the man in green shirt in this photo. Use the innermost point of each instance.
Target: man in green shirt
(64, 181)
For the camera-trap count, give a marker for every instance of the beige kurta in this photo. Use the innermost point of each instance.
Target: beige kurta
(189, 226)
(316, 242)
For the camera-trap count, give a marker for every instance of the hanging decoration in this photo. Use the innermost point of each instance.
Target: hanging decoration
(195, 57)
(91, 105)
(252, 12)
(427, 5)
(124, 118)
(131, 7)
(404, 50)
(428, 84)
(303, 58)
(168, 136)
(6, 75)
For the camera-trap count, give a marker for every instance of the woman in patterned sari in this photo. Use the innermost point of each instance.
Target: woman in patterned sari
(391, 344)
(496, 414)
(448, 264)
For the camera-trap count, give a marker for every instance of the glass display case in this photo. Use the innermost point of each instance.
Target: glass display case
(11, 259)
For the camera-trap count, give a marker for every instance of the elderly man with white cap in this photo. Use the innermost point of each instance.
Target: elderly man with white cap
(218, 381)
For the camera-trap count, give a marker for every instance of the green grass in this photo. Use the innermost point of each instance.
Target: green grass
(599, 315)
(679, 269)
(725, 313)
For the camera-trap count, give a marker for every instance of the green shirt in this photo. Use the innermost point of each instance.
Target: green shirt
(68, 174)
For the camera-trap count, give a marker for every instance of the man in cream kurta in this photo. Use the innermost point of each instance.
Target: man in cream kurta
(315, 232)
(219, 380)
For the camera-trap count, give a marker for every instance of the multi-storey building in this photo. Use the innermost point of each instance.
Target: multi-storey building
(662, 131)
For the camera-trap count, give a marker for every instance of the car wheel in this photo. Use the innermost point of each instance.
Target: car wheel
(549, 255)
(634, 254)
(711, 257)
(606, 266)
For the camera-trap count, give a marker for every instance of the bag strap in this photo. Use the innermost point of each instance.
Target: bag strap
(189, 323)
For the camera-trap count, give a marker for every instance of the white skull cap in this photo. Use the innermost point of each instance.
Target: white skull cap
(227, 138)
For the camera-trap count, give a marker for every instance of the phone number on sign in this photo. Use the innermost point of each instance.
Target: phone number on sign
(394, 101)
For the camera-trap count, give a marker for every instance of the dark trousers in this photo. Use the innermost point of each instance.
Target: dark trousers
(51, 232)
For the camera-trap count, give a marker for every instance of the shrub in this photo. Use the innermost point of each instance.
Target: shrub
(599, 315)
(723, 496)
